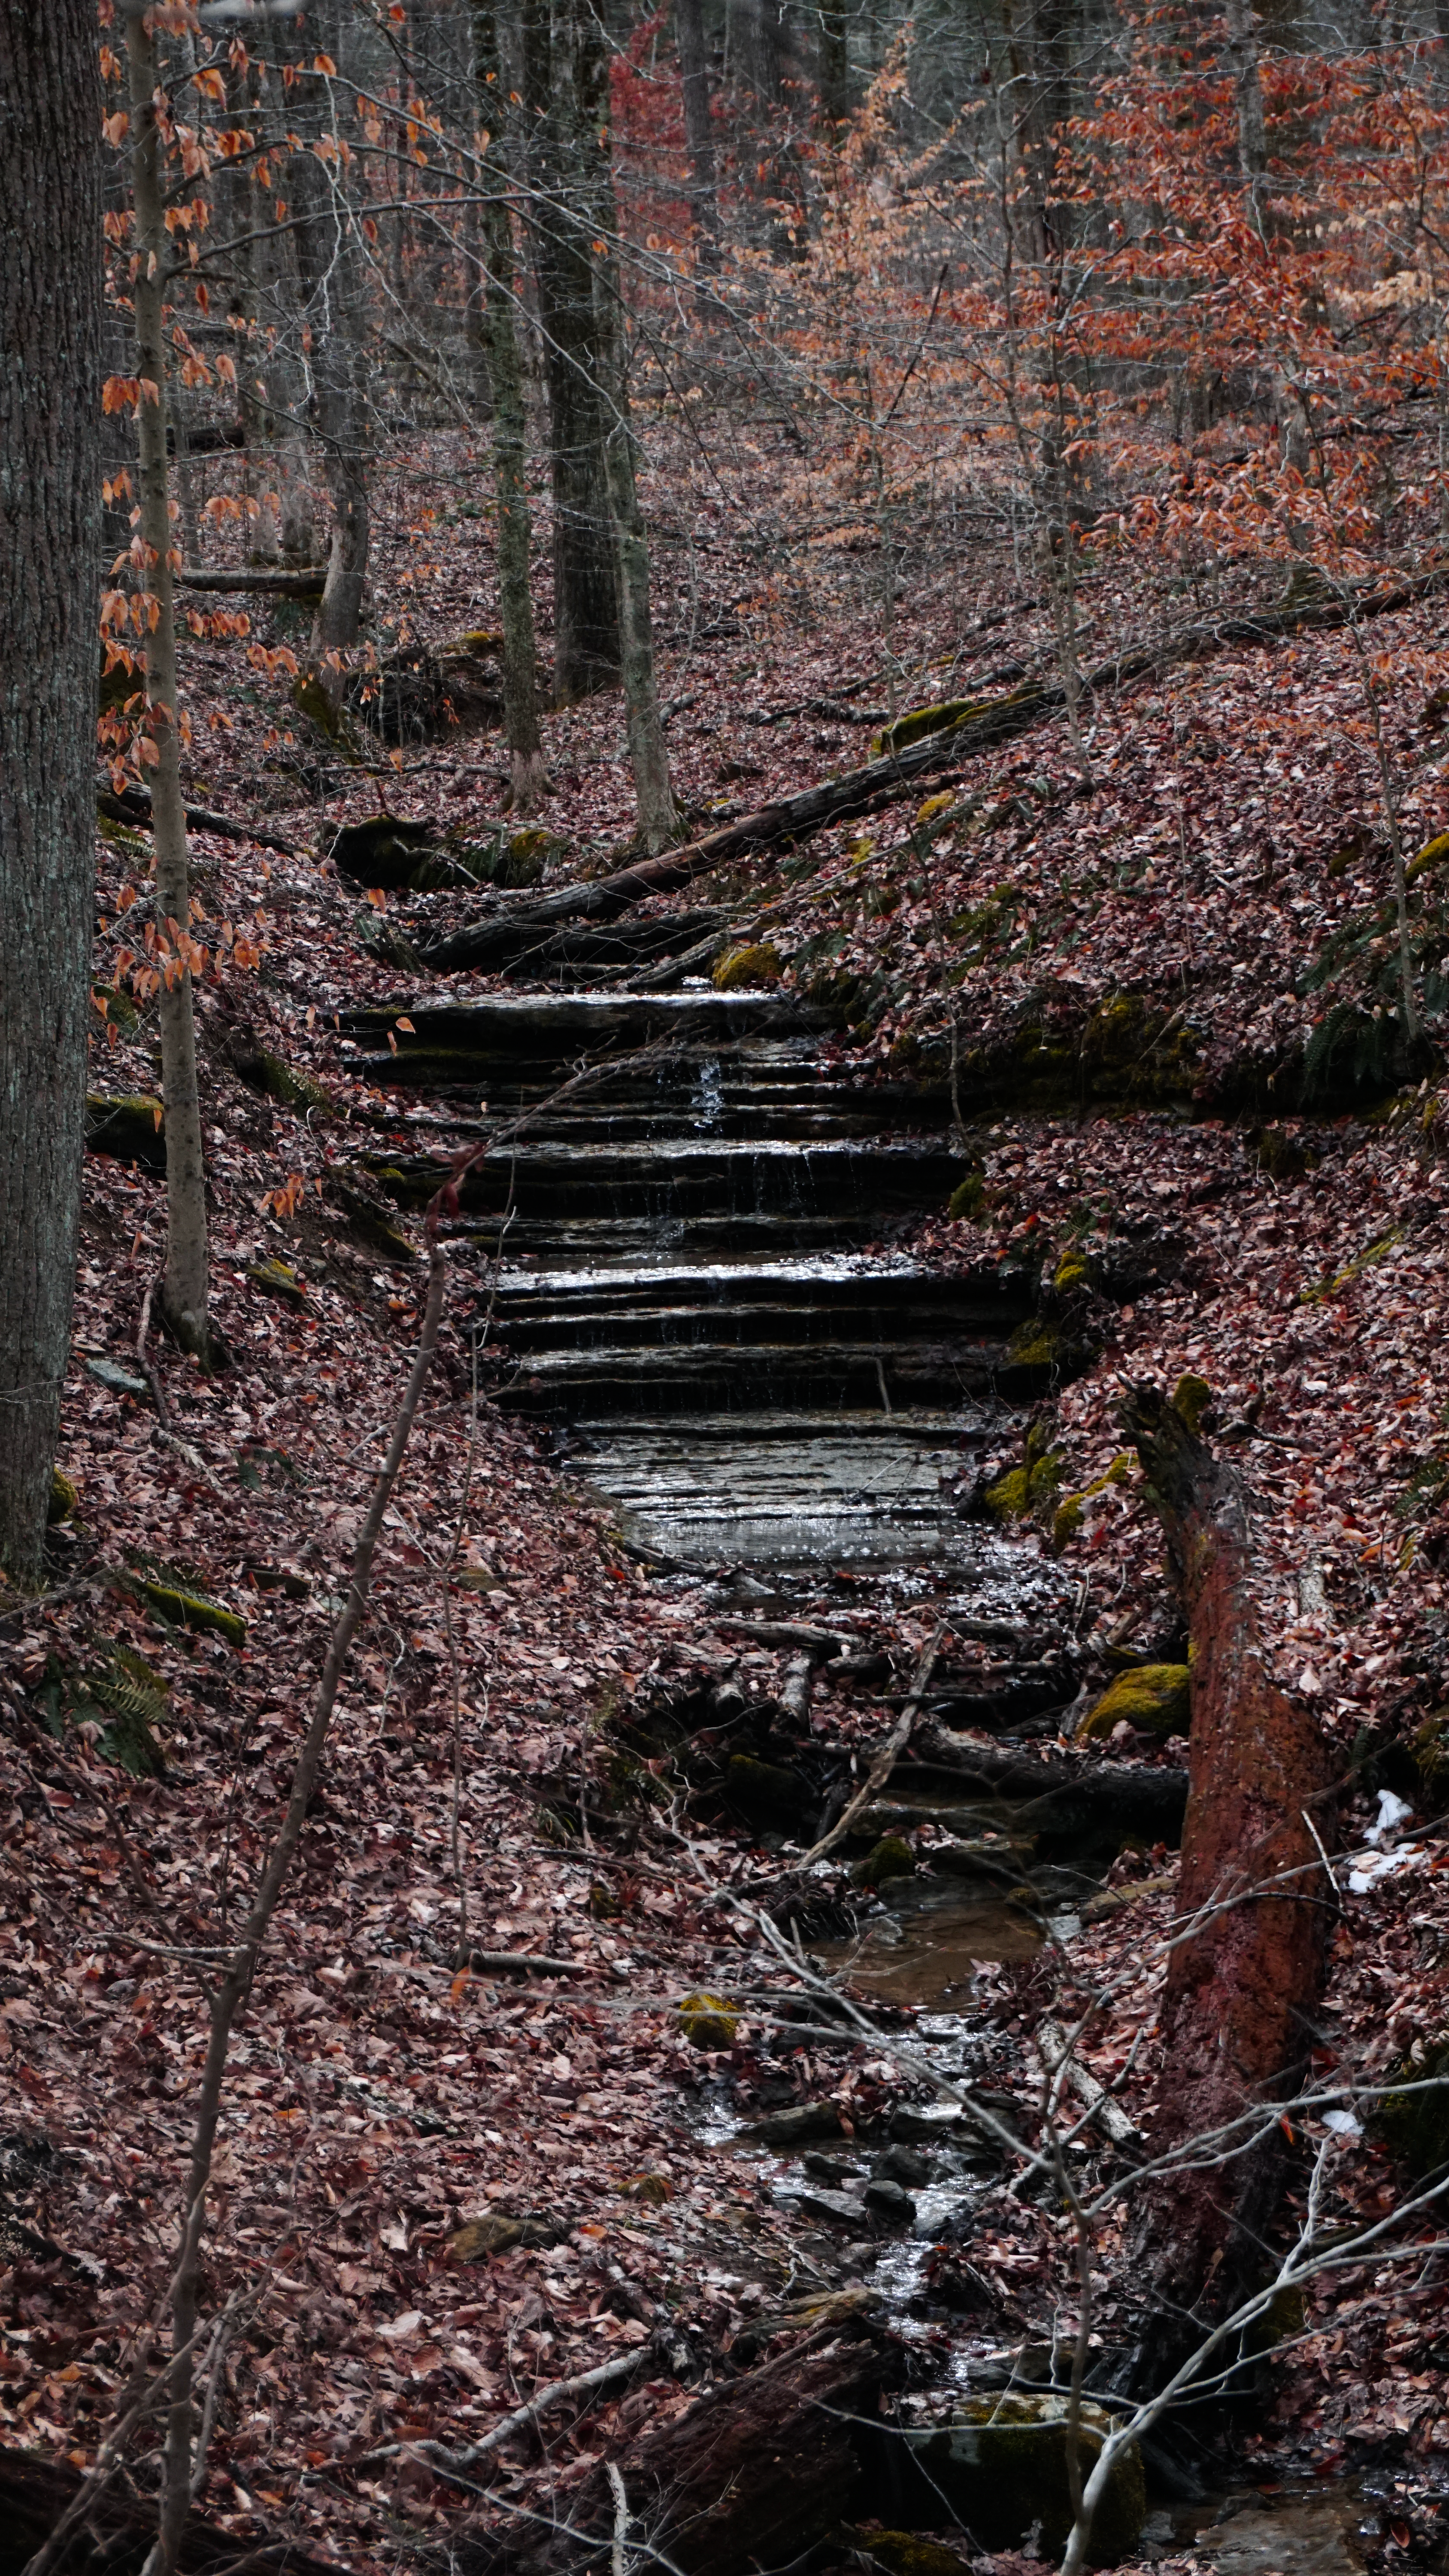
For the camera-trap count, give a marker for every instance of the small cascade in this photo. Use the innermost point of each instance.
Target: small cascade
(697, 1285)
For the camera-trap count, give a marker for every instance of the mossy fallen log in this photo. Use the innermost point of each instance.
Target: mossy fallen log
(117, 2530)
(969, 727)
(130, 1125)
(754, 2474)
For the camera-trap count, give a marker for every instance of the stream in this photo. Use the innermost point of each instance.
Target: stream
(694, 1286)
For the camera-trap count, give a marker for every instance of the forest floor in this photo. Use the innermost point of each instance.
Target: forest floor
(379, 2098)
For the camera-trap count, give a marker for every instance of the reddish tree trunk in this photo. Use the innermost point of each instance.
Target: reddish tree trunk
(1241, 1993)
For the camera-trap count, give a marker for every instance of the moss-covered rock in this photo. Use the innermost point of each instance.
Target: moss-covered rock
(369, 1216)
(1001, 2467)
(382, 850)
(968, 1199)
(891, 1858)
(708, 2021)
(1041, 1349)
(278, 1279)
(63, 1498)
(1006, 1500)
(907, 2553)
(743, 967)
(132, 1126)
(765, 1788)
(1283, 1155)
(1155, 1698)
(1415, 2126)
(1071, 1511)
(290, 1089)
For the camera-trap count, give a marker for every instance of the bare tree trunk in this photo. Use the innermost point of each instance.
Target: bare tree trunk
(648, 750)
(1248, 95)
(505, 376)
(699, 129)
(186, 1286)
(585, 612)
(1237, 2016)
(331, 301)
(50, 301)
(832, 63)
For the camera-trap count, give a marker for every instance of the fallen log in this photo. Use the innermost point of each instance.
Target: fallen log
(132, 806)
(281, 585)
(1237, 2015)
(118, 2531)
(1059, 1793)
(753, 2475)
(967, 729)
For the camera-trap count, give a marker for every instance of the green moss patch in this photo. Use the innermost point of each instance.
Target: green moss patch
(1155, 1698)
(744, 967)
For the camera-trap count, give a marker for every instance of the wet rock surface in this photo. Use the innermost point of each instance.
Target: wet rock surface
(695, 1280)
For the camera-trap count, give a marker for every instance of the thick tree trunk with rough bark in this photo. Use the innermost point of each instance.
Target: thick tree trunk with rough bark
(505, 380)
(585, 610)
(1237, 2015)
(186, 1286)
(50, 503)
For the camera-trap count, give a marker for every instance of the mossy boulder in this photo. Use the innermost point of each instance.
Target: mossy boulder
(278, 1279)
(1031, 1486)
(1155, 1698)
(63, 1498)
(1415, 2126)
(382, 850)
(1040, 1349)
(766, 1788)
(707, 2021)
(907, 2553)
(131, 1126)
(1136, 1051)
(968, 1199)
(290, 1089)
(1071, 1511)
(1001, 2467)
(891, 1858)
(741, 968)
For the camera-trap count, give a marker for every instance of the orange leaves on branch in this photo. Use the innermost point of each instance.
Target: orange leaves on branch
(116, 128)
(118, 392)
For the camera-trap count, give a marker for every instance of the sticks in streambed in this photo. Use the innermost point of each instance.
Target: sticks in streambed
(885, 1761)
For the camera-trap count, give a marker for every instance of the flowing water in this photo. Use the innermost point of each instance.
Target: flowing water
(692, 1280)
